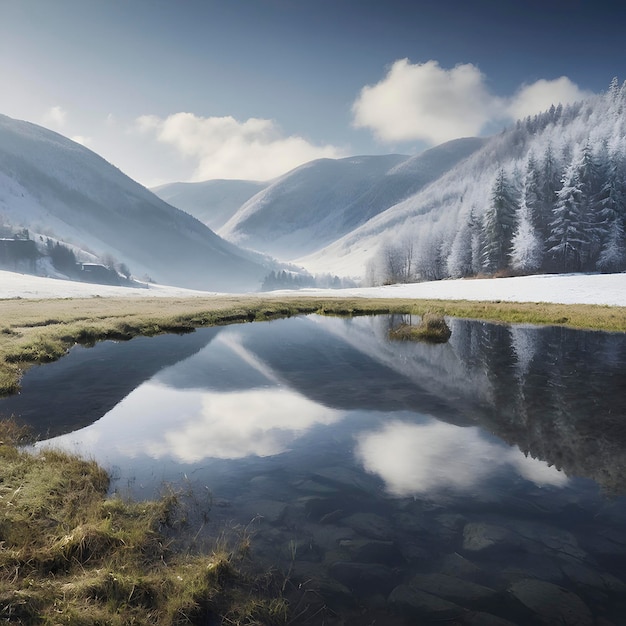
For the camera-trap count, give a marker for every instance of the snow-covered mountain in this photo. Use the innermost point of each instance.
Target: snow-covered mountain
(53, 186)
(549, 194)
(213, 202)
(318, 202)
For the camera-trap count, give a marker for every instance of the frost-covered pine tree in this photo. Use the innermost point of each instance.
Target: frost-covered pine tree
(567, 235)
(612, 256)
(527, 245)
(590, 185)
(499, 225)
(464, 258)
(549, 184)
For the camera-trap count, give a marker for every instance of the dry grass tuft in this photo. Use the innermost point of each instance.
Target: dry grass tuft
(432, 328)
(71, 555)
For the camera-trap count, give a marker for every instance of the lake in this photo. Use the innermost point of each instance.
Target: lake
(481, 481)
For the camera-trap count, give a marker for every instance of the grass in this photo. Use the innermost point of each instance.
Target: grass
(39, 331)
(432, 328)
(71, 555)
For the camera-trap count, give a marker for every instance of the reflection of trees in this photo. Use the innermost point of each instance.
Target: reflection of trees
(568, 407)
(556, 393)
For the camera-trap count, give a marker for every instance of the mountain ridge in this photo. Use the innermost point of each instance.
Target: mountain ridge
(213, 202)
(318, 202)
(54, 185)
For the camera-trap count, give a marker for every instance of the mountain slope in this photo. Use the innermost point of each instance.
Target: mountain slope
(547, 195)
(320, 201)
(213, 202)
(52, 185)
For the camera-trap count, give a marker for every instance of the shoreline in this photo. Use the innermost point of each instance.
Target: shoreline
(40, 331)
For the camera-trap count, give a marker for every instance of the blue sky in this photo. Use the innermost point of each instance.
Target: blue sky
(196, 89)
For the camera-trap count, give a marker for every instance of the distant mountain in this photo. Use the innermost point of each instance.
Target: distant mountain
(52, 185)
(547, 195)
(213, 202)
(320, 201)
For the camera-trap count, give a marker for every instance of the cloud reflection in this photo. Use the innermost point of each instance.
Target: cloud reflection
(236, 425)
(414, 459)
(191, 425)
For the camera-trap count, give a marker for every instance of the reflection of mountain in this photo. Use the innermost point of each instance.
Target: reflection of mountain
(83, 386)
(556, 393)
(305, 357)
(333, 372)
(220, 368)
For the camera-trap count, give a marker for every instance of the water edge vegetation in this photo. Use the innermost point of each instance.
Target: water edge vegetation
(41, 331)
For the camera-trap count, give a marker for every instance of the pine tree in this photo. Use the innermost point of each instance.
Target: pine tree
(612, 257)
(567, 237)
(499, 225)
(460, 261)
(527, 253)
(549, 174)
(590, 185)
(527, 246)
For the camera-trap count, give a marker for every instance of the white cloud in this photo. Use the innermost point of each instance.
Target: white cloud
(426, 102)
(539, 96)
(56, 117)
(223, 147)
(429, 103)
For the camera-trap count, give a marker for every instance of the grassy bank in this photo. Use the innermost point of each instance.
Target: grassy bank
(39, 331)
(70, 555)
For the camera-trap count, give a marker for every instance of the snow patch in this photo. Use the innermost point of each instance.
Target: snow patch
(603, 289)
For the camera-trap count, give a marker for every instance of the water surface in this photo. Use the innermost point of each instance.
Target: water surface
(477, 480)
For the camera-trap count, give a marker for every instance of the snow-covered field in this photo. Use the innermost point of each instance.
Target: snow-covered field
(609, 289)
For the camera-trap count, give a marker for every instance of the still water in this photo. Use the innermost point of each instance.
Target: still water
(477, 482)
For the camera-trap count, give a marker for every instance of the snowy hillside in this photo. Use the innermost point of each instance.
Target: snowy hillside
(546, 195)
(213, 202)
(53, 186)
(320, 201)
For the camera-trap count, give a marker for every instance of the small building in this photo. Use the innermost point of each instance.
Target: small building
(98, 273)
(18, 255)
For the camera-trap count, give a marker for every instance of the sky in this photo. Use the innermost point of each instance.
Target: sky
(192, 90)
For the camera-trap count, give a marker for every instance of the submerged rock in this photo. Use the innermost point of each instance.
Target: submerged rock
(456, 565)
(418, 604)
(479, 536)
(369, 525)
(364, 578)
(345, 478)
(551, 603)
(270, 511)
(315, 507)
(478, 618)
(462, 592)
(549, 538)
(373, 551)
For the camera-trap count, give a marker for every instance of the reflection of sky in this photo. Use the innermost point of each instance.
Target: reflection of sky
(230, 402)
(192, 425)
(414, 458)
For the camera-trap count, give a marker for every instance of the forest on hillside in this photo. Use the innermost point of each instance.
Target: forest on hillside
(548, 195)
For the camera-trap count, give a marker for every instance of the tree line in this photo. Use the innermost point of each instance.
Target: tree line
(555, 202)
